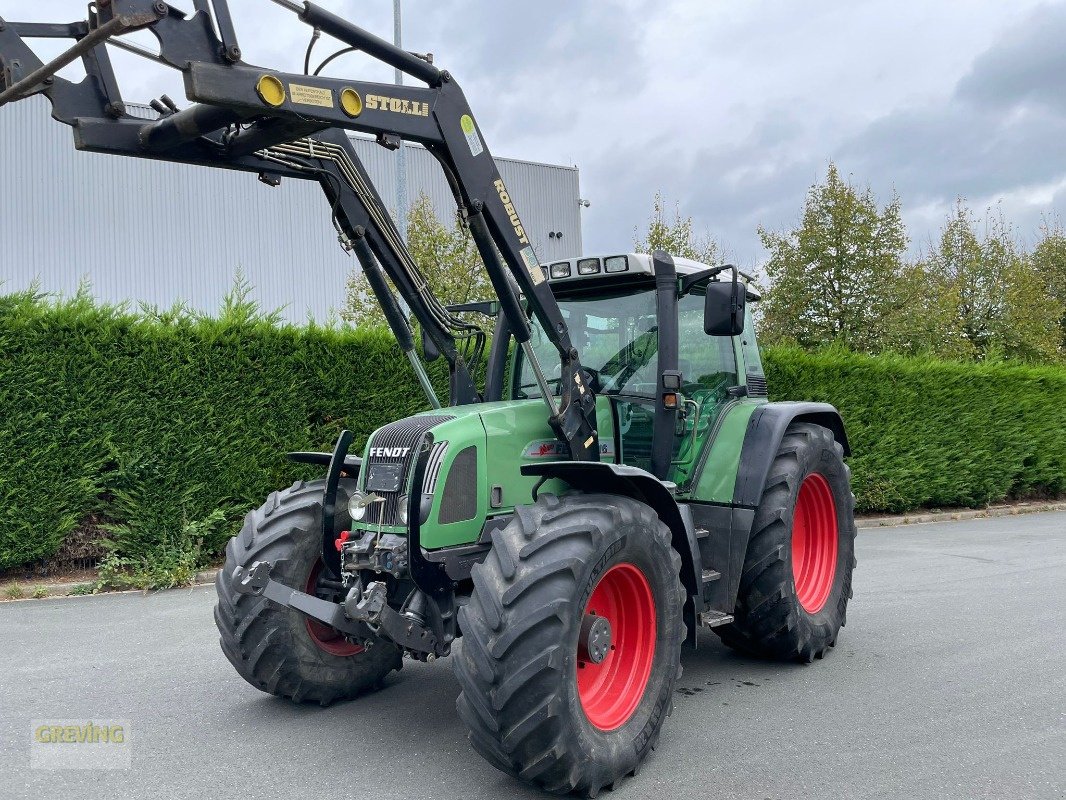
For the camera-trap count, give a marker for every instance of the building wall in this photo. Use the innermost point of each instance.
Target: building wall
(161, 233)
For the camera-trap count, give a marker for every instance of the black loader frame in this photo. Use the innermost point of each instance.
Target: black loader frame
(281, 126)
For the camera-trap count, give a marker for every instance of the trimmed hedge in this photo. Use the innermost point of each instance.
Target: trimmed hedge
(936, 433)
(164, 428)
(148, 424)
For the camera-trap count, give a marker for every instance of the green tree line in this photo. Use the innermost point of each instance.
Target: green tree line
(842, 277)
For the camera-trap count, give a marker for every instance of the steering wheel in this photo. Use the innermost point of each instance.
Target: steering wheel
(700, 391)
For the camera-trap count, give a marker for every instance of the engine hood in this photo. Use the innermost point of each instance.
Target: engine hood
(473, 468)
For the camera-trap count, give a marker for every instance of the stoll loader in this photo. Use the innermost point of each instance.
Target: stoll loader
(616, 481)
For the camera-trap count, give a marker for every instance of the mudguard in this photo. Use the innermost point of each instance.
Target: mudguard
(766, 429)
(592, 476)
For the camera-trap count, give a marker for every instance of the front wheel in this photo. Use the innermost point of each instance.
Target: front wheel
(572, 641)
(796, 582)
(279, 650)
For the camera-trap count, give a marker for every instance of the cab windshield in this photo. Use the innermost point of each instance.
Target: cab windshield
(616, 335)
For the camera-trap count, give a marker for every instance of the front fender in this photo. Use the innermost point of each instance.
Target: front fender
(593, 476)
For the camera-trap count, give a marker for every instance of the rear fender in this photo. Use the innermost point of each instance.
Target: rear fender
(766, 429)
(732, 525)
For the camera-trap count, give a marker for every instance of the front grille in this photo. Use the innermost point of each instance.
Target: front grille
(403, 433)
(459, 501)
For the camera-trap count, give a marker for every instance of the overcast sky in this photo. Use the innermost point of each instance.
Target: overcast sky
(732, 108)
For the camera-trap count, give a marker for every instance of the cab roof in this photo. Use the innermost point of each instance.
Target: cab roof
(602, 270)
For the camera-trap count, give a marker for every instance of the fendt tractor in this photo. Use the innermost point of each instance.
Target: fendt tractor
(617, 479)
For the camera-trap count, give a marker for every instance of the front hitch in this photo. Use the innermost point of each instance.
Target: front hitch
(256, 581)
(353, 618)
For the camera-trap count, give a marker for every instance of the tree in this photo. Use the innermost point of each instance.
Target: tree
(1002, 303)
(676, 238)
(923, 319)
(978, 272)
(447, 257)
(834, 278)
(1049, 260)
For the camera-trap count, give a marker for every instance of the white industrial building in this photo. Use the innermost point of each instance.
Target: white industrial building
(156, 232)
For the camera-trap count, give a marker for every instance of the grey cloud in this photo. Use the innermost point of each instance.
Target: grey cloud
(1002, 130)
(730, 190)
(1026, 66)
(734, 109)
(528, 68)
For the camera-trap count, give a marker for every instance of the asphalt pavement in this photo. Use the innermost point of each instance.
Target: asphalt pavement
(949, 681)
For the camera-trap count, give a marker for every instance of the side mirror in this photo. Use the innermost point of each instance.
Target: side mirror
(723, 308)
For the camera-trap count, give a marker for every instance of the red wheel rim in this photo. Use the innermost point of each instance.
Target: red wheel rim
(327, 639)
(814, 543)
(611, 690)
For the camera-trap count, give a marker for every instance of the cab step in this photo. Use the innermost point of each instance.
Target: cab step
(712, 619)
(710, 575)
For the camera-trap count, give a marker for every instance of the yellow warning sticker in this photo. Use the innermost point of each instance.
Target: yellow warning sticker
(311, 96)
(473, 141)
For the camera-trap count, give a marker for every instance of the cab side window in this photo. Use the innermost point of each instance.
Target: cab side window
(708, 364)
(753, 371)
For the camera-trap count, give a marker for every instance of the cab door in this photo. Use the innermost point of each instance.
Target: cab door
(708, 368)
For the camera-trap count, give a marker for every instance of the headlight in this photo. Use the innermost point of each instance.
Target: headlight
(356, 507)
(403, 509)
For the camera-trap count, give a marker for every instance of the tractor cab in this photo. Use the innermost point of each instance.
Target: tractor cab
(610, 305)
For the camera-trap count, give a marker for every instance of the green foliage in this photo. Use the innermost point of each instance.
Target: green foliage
(39, 592)
(678, 238)
(164, 567)
(833, 277)
(168, 428)
(841, 278)
(998, 301)
(165, 429)
(936, 433)
(447, 258)
(1049, 260)
(15, 592)
(924, 320)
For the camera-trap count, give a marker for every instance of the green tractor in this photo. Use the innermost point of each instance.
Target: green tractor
(573, 525)
(573, 584)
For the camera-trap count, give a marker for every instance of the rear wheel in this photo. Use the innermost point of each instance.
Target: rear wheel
(796, 583)
(279, 650)
(571, 642)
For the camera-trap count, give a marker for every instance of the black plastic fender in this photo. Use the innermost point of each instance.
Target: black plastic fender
(593, 476)
(766, 429)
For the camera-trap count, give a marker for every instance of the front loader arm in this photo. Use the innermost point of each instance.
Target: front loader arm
(289, 125)
(496, 226)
